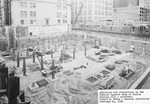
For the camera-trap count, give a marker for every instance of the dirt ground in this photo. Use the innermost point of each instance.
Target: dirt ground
(72, 88)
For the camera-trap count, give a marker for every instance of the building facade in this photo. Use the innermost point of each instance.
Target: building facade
(2, 16)
(132, 11)
(91, 11)
(40, 12)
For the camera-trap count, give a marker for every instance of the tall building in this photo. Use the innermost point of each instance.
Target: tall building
(7, 12)
(135, 11)
(2, 16)
(91, 11)
(40, 12)
(125, 3)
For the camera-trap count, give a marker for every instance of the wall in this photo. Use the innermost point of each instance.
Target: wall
(45, 9)
(48, 30)
(141, 47)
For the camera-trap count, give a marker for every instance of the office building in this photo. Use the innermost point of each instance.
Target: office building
(132, 11)
(40, 12)
(91, 11)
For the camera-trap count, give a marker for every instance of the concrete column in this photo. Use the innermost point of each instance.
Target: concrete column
(42, 68)
(18, 60)
(43, 46)
(53, 70)
(24, 66)
(74, 51)
(48, 43)
(85, 50)
(33, 56)
(4, 48)
(51, 53)
(61, 56)
(16, 43)
(13, 54)
(38, 46)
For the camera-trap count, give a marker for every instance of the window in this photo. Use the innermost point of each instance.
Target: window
(58, 15)
(47, 21)
(32, 21)
(23, 14)
(32, 13)
(65, 15)
(32, 5)
(58, 21)
(23, 4)
(58, 7)
(22, 22)
(64, 21)
(65, 7)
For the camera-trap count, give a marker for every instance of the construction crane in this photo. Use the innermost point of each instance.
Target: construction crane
(78, 13)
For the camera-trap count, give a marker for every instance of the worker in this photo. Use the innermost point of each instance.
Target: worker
(126, 68)
(124, 71)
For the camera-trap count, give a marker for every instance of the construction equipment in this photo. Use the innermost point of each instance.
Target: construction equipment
(79, 13)
(54, 68)
(126, 72)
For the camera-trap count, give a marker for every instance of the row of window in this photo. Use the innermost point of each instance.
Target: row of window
(98, 7)
(47, 22)
(90, 18)
(22, 22)
(59, 15)
(23, 14)
(64, 21)
(96, 12)
(59, 7)
(98, 1)
(62, 1)
(24, 5)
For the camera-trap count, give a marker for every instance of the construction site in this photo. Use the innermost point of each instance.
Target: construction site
(71, 68)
